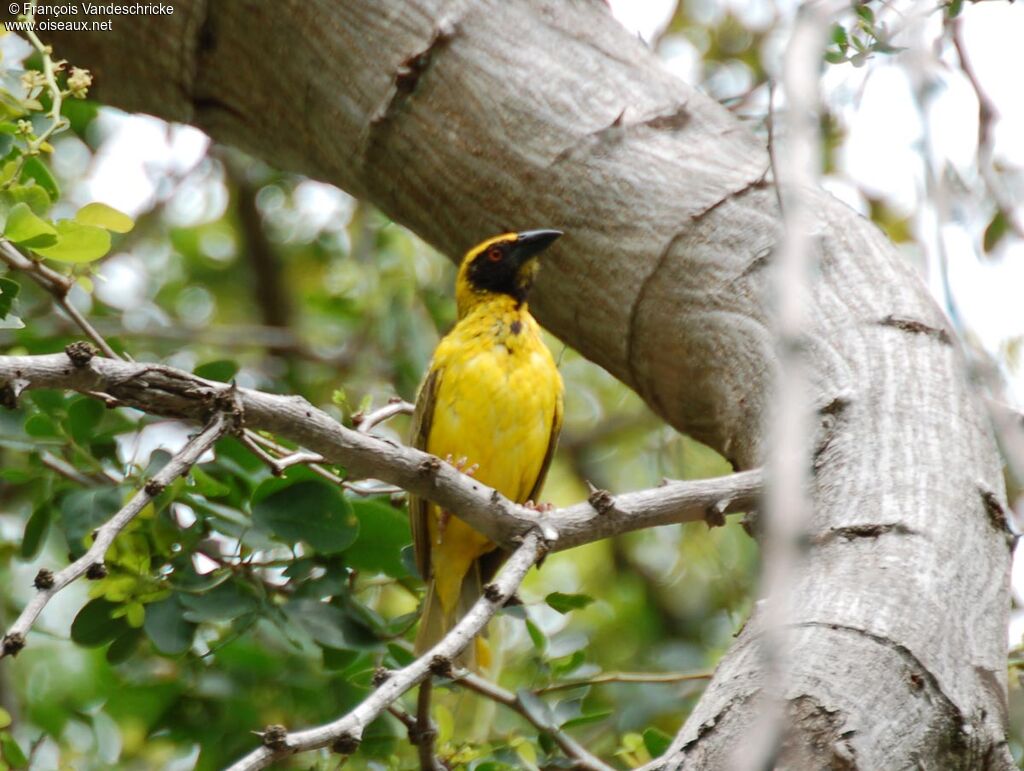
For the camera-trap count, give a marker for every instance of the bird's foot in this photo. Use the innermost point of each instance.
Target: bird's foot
(540, 508)
(462, 464)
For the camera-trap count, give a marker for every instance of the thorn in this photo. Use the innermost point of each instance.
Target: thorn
(380, 676)
(346, 744)
(275, 737)
(13, 643)
(492, 592)
(441, 666)
(602, 501)
(43, 580)
(80, 353)
(714, 515)
(430, 466)
(96, 571)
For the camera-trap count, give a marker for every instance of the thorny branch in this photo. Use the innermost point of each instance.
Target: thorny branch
(568, 745)
(166, 391)
(343, 735)
(49, 584)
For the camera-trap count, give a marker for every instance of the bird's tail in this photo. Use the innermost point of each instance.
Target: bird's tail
(435, 623)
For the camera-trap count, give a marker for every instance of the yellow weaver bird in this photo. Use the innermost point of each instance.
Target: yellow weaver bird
(493, 398)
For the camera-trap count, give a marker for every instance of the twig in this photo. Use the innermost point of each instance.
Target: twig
(627, 677)
(162, 390)
(178, 466)
(288, 457)
(392, 408)
(987, 116)
(425, 733)
(58, 286)
(344, 734)
(569, 746)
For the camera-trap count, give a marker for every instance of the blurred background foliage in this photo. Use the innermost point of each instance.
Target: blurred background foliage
(223, 610)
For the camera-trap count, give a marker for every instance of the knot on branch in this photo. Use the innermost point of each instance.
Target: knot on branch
(154, 487)
(751, 524)
(43, 579)
(9, 393)
(441, 666)
(80, 353)
(346, 744)
(430, 466)
(492, 593)
(714, 515)
(601, 501)
(96, 571)
(275, 737)
(13, 643)
(380, 676)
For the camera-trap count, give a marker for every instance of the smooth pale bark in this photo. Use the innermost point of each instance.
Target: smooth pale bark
(460, 119)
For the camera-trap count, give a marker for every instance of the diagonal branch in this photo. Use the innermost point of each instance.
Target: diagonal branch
(58, 286)
(167, 391)
(568, 745)
(91, 562)
(343, 735)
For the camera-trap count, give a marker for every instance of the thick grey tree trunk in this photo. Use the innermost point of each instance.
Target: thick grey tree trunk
(460, 119)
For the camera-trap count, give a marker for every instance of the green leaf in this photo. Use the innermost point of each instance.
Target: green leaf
(223, 602)
(35, 531)
(207, 485)
(82, 511)
(107, 217)
(12, 753)
(94, 625)
(312, 511)
(536, 707)
(26, 229)
(33, 195)
(537, 637)
(167, 627)
(864, 12)
(657, 742)
(328, 625)
(593, 717)
(5, 718)
(839, 36)
(563, 603)
(41, 426)
(37, 170)
(83, 416)
(124, 646)
(77, 243)
(222, 370)
(383, 532)
(996, 231)
(8, 294)
(338, 659)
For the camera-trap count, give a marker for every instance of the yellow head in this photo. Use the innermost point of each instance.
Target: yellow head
(504, 265)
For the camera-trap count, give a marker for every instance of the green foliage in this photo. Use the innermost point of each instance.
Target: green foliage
(236, 598)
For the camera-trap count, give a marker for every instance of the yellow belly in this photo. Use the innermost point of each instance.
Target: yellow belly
(496, 407)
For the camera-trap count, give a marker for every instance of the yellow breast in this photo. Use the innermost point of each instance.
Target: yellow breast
(497, 398)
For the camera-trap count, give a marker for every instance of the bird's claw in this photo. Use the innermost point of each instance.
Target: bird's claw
(462, 464)
(540, 508)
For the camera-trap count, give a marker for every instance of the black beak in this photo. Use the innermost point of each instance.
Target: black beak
(530, 243)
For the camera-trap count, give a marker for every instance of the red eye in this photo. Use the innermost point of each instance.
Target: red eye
(494, 254)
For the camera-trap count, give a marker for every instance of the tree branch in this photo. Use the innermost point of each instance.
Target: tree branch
(569, 746)
(49, 584)
(344, 734)
(162, 390)
(58, 286)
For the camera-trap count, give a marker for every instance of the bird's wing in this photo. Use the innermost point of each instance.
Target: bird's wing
(419, 508)
(556, 429)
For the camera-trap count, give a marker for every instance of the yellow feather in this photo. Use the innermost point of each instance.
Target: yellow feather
(497, 401)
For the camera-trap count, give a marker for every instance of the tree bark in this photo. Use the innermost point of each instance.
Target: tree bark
(461, 119)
